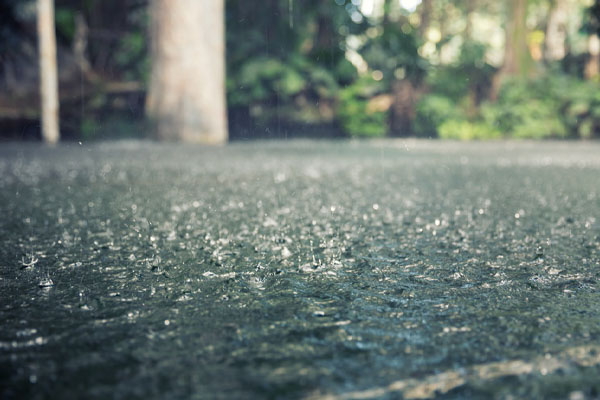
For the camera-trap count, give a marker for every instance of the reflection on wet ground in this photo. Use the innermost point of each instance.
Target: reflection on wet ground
(335, 270)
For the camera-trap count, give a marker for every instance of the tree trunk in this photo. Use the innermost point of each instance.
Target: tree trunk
(556, 31)
(592, 67)
(325, 49)
(470, 9)
(425, 14)
(517, 59)
(403, 109)
(48, 71)
(404, 91)
(186, 97)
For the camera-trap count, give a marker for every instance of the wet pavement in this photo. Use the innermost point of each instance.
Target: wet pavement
(300, 270)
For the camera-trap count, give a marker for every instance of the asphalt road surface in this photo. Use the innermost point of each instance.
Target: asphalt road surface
(303, 269)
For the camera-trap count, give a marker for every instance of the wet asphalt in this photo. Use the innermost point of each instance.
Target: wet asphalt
(302, 269)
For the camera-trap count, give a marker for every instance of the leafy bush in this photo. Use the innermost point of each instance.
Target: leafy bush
(528, 119)
(582, 109)
(294, 90)
(451, 110)
(261, 78)
(465, 130)
(392, 50)
(551, 106)
(432, 111)
(111, 127)
(355, 116)
(442, 117)
(470, 73)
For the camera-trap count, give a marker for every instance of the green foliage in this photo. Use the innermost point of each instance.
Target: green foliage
(394, 51)
(323, 82)
(130, 56)
(287, 64)
(533, 119)
(441, 116)
(111, 127)
(551, 106)
(581, 105)
(345, 72)
(262, 78)
(65, 22)
(466, 130)
(13, 21)
(432, 111)
(591, 21)
(469, 74)
(354, 113)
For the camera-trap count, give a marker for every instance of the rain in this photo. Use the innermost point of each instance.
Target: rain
(315, 200)
(280, 270)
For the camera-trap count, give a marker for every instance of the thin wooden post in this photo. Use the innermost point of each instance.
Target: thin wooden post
(48, 71)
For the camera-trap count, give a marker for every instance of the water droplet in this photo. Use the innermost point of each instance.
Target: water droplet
(285, 252)
(539, 252)
(30, 261)
(45, 283)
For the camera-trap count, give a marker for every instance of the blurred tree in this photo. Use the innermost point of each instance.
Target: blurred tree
(517, 59)
(48, 71)
(395, 55)
(592, 67)
(367, 67)
(556, 31)
(186, 97)
(592, 28)
(470, 6)
(426, 11)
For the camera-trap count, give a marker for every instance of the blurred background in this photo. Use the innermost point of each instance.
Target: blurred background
(463, 69)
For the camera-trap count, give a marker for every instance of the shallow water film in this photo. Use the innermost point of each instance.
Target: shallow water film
(300, 270)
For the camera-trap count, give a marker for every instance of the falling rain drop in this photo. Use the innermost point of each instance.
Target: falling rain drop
(46, 283)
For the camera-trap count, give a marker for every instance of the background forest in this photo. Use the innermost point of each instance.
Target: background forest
(463, 69)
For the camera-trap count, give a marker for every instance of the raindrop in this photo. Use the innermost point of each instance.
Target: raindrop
(46, 283)
(539, 252)
(30, 261)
